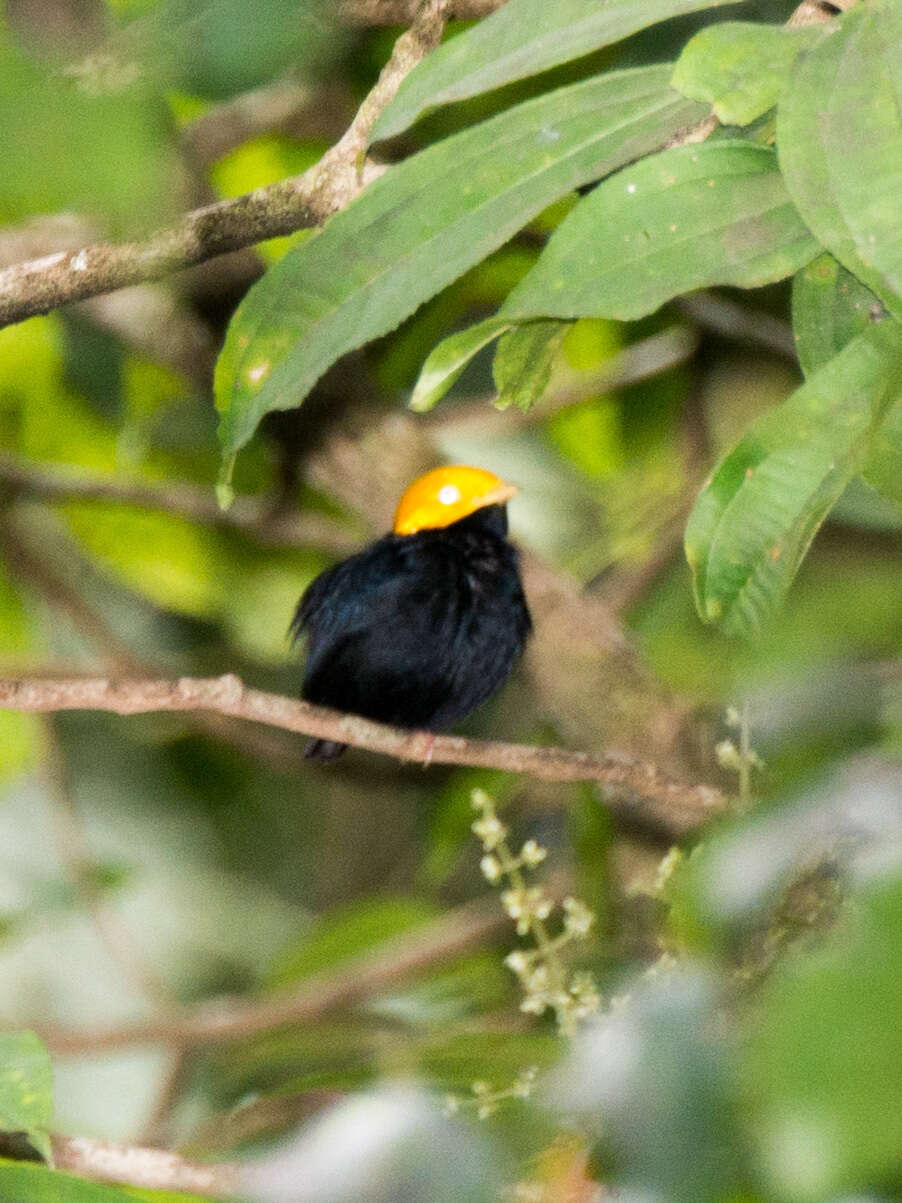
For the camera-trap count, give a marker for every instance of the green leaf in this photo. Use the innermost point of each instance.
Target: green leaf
(357, 929)
(523, 362)
(26, 1182)
(446, 361)
(883, 469)
(829, 308)
(421, 225)
(26, 1088)
(755, 518)
(839, 132)
(739, 68)
(683, 219)
(520, 39)
(822, 1065)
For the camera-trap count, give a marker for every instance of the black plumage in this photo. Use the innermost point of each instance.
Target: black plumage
(416, 630)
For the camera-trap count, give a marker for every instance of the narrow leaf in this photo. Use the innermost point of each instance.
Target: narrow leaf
(523, 362)
(446, 361)
(829, 307)
(676, 221)
(26, 1088)
(739, 68)
(755, 518)
(422, 224)
(522, 38)
(839, 130)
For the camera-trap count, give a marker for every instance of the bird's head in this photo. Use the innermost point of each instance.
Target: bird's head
(446, 495)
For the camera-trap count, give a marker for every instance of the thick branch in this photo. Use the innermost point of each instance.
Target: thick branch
(651, 797)
(39, 285)
(149, 1169)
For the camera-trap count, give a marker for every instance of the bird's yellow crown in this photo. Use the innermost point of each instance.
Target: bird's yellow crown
(446, 495)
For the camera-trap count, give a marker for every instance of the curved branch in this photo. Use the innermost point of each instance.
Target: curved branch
(645, 794)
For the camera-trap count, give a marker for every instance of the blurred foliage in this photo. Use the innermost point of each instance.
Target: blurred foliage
(748, 1048)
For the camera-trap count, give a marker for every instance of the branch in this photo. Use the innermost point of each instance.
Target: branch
(246, 515)
(39, 285)
(652, 797)
(402, 12)
(362, 977)
(148, 1169)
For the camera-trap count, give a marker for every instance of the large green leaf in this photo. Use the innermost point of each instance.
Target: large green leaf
(756, 516)
(829, 307)
(839, 132)
(739, 68)
(676, 221)
(26, 1088)
(420, 226)
(822, 1062)
(520, 39)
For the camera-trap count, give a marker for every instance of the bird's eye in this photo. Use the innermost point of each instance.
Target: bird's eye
(449, 494)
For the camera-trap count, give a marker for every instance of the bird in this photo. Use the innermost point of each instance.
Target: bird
(426, 623)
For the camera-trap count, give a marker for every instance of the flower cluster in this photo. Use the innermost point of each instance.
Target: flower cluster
(546, 984)
(741, 759)
(486, 1100)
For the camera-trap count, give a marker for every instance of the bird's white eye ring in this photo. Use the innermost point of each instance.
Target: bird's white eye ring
(449, 494)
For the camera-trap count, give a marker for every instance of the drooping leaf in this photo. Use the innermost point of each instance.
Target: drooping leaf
(829, 307)
(740, 68)
(447, 361)
(523, 361)
(522, 38)
(683, 219)
(26, 1088)
(755, 518)
(420, 226)
(839, 133)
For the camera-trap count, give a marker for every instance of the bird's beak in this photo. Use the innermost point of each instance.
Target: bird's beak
(499, 495)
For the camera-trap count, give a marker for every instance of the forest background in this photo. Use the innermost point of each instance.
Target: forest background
(260, 265)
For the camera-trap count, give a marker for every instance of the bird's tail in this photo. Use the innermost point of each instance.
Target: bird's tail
(324, 749)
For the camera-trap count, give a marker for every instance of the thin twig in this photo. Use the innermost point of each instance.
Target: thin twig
(740, 322)
(651, 796)
(39, 285)
(363, 977)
